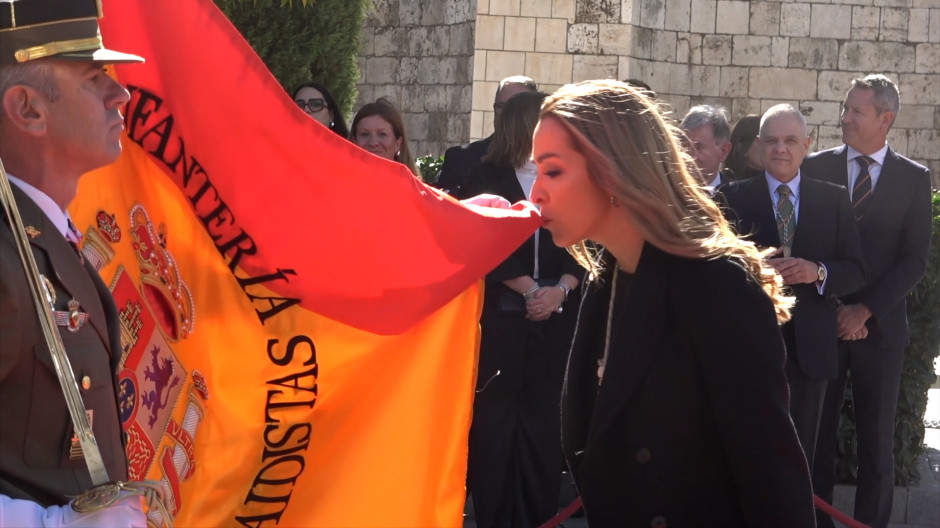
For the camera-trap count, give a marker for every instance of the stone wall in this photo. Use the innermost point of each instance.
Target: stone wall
(418, 53)
(746, 56)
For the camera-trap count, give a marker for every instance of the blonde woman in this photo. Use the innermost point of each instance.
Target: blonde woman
(675, 403)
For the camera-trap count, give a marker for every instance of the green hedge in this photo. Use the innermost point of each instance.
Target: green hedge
(318, 41)
(923, 314)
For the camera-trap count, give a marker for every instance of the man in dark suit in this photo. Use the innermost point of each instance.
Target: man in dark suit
(707, 131)
(460, 160)
(891, 201)
(59, 118)
(818, 253)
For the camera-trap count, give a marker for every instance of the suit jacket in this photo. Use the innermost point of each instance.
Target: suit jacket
(826, 233)
(691, 425)
(36, 432)
(458, 162)
(895, 235)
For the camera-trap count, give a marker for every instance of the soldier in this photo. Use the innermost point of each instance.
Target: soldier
(59, 118)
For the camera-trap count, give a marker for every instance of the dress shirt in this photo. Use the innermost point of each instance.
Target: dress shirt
(874, 170)
(58, 217)
(794, 185)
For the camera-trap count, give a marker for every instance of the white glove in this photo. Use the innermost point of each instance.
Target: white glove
(126, 512)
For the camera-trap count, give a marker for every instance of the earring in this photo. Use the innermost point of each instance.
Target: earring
(612, 201)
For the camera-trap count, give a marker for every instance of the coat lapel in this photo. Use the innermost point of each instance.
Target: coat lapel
(61, 261)
(636, 336)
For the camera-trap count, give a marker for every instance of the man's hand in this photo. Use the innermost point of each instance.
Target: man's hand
(795, 270)
(851, 322)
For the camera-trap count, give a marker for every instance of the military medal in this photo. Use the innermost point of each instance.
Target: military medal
(32, 231)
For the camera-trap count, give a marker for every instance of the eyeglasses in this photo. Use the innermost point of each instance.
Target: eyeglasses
(310, 105)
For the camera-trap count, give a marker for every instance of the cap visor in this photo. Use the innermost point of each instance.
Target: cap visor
(104, 56)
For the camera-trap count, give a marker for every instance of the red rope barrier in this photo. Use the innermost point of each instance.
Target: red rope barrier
(836, 514)
(563, 514)
(849, 522)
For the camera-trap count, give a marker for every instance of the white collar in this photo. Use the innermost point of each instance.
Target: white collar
(58, 217)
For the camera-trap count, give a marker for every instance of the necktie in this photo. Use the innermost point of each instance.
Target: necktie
(861, 193)
(75, 238)
(786, 220)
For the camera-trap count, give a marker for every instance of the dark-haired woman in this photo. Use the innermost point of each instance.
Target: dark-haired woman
(314, 99)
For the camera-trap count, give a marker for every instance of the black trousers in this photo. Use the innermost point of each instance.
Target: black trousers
(515, 459)
(876, 379)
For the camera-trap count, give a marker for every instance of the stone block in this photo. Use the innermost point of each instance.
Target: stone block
(723, 102)
(378, 15)
(678, 15)
(642, 42)
(897, 138)
(820, 54)
(457, 12)
(392, 92)
(408, 71)
(631, 68)
(483, 7)
(927, 58)
(743, 107)
(733, 81)
(821, 112)
(520, 34)
(432, 13)
(658, 77)
(703, 16)
(458, 129)
(676, 105)
(381, 70)
(782, 83)
(766, 104)
(440, 41)
(918, 28)
(460, 98)
(411, 97)
(615, 39)
(436, 131)
(551, 35)
(795, 19)
(831, 21)
(409, 13)
(765, 18)
(416, 125)
(586, 67)
(652, 14)
(919, 89)
(365, 94)
(892, 3)
(419, 41)
(483, 94)
(865, 22)
(549, 67)
(504, 7)
(390, 42)
(629, 15)
(448, 69)
(563, 9)
(834, 85)
(933, 32)
(435, 99)
(877, 56)
(597, 11)
(582, 38)
(916, 116)
(487, 124)
(693, 79)
(490, 31)
(826, 137)
(779, 51)
(502, 64)
(751, 51)
(894, 24)
(479, 65)
(536, 8)
(461, 39)
(664, 46)
(716, 49)
(732, 17)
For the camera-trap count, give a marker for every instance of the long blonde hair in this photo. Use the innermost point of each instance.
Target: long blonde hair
(633, 153)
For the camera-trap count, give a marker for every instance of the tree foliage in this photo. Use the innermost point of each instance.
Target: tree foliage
(304, 40)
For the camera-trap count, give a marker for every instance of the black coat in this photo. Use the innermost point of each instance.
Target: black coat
(459, 161)
(691, 425)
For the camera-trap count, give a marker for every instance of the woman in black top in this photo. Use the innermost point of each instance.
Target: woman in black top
(675, 402)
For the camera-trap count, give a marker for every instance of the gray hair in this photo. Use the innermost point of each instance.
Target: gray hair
(35, 74)
(714, 116)
(779, 110)
(886, 96)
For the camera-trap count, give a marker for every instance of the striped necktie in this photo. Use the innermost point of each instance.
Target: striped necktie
(861, 192)
(786, 220)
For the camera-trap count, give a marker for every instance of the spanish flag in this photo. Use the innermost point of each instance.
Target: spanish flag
(298, 317)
